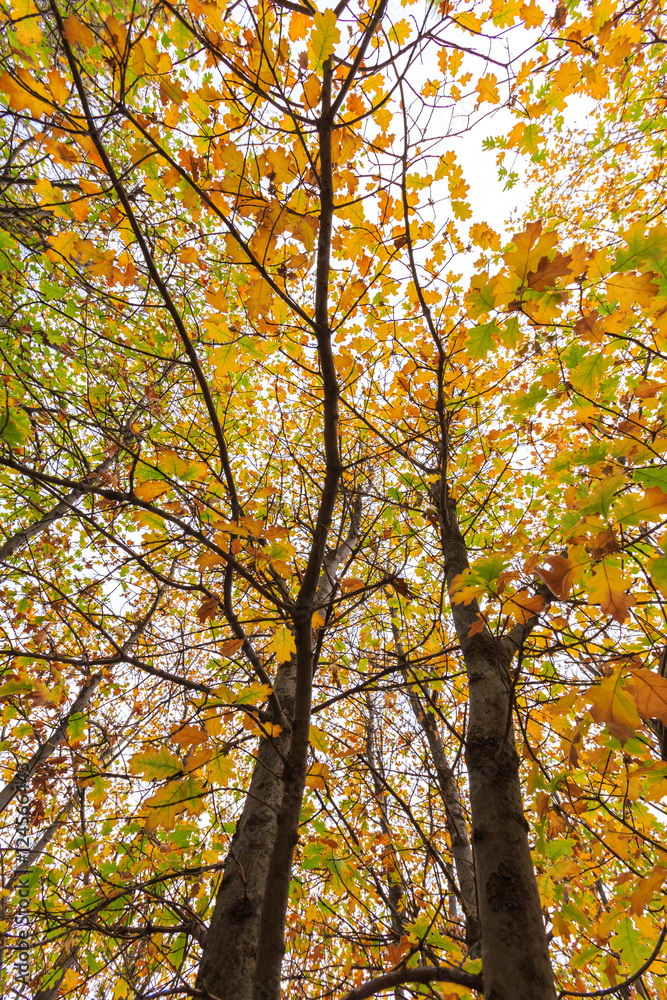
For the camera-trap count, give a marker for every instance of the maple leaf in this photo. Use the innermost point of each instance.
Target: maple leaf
(175, 798)
(613, 707)
(652, 506)
(589, 328)
(647, 889)
(318, 775)
(188, 736)
(522, 606)
(487, 88)
(548, 272)
(402, 587)
(156, 763)
(648, 389)
(323, 38)
(478, 625)
(151, 489)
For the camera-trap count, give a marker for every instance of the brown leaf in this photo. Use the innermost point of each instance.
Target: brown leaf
(647, 390)
(588, 328)
(605, 544)
(402, 587)
(651, 694)
(209, 609)
(230, 647)
(548, 272)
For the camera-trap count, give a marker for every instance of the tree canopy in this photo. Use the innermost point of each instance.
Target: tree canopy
(334, 640)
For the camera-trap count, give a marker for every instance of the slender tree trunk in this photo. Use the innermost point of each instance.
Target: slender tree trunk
(515, 955)
(227, 965)
(454, 818)
(395, 887)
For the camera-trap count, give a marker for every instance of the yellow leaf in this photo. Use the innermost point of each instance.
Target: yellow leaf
(209, 559)
(27, 30)
(651, 507)
(612, 707)
(323, 38)
(282, 644)
(225, 360)
(487, 88)
(532, 14)
(77, 33)
(631, 288)
(608, 589)
(220, 771)
(151, 489)
(317, 776)
(299, 26)
(400, 31)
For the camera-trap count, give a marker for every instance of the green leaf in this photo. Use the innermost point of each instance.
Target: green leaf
(76, 727)
(480, 339)
(14, 427)
(155, 763)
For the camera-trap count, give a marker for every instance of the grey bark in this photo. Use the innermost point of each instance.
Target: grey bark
(395, 887)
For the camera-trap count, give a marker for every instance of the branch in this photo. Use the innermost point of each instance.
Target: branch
(151, 265)
(85, 694)
(437, 974)
(64, 506)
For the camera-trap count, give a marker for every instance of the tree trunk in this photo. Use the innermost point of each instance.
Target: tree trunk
(227, 965)
(515, 955)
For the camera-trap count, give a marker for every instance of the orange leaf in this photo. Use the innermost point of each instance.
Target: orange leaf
(478, 626)
(559, 578)
(188, 736)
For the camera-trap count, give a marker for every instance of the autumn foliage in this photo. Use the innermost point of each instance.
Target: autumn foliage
(334, 550)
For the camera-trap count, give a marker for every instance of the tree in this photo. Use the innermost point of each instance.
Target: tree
(334, 591)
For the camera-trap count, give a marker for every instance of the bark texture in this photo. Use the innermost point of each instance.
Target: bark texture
(515, 956)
